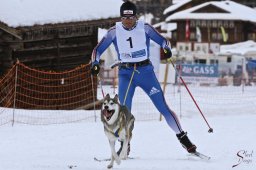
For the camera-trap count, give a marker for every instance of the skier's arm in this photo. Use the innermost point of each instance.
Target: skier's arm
(103, 44)
(159, 39)
(99, 49)
(155, 36)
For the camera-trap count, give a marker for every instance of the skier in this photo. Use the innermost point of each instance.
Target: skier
(131, 39)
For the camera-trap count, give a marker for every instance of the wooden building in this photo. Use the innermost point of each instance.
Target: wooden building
(222, 22)
(250, 3)
(163, 8)
(185, 4)
(55, 47)
(50, 39)
(59, 45)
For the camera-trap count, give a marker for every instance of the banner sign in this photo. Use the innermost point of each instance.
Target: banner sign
(200, 73)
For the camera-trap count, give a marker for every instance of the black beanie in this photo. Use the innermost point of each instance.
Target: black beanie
(128, 9)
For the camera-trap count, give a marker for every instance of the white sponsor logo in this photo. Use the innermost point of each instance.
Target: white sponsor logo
(125, 56)
(128, 12)
(153, 91)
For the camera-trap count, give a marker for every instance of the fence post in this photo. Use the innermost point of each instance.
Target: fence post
(179, 86)
(243, 76)
(15, 91)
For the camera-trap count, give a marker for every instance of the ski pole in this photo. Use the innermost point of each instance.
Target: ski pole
(93, 96)
(210, 129)
(100, 82)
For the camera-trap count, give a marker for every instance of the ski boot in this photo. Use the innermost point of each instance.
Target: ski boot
(185, 142)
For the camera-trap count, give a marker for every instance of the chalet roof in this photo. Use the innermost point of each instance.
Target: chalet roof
(9, 30)
(242, 48)
(176, 6)
(234, 11)
(166, 26)
(16, 13)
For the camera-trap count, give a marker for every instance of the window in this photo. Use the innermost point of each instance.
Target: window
(192, 36)
(214, 23)
(229, 59)
(251, 36)
(227, 36)
(214, 36)
(181, 46)
(205, 49)
(209, 23)
(214, 61)
(225, 24)
(198, 23)
(174, 35)
(231, 24)
(198, 48)
(220, 23)
(192, 23)
(219, 36)
(204, 23)
(200, 61)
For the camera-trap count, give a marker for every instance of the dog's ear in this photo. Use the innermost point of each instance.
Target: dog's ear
(116, 98)
(107, 97)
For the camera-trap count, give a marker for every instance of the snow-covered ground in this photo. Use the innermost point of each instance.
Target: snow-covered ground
(154, 144)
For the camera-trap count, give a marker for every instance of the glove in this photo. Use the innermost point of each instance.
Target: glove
(95, 69)
(167, 52)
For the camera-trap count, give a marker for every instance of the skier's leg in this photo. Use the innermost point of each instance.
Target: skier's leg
(154, 91)
(149, 83)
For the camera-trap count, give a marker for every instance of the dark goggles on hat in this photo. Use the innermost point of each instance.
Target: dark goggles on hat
(129, 17)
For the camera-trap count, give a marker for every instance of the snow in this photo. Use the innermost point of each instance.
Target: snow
(166, 26)
(239, 48)
(30, 12)
(154, 144)
(176, 5)
(234, 11)
(230, 112)
(147, 18)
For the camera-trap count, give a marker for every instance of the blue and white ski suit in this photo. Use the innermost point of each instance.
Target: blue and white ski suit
(132, 46)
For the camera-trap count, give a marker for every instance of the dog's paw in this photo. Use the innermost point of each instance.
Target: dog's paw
(118, 161)
(110, 166)
(123, 155)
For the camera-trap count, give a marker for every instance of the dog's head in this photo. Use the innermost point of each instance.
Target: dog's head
(110, 109)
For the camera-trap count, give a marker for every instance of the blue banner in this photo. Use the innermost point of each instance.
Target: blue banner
(199, 70)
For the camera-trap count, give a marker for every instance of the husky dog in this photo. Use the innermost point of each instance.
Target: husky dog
(118, 125)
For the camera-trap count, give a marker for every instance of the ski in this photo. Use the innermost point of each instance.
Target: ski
(200, 155)
(109, 159)
(72, 166)
(101, 160)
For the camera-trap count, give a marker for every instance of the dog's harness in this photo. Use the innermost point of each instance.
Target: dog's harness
(117, 133)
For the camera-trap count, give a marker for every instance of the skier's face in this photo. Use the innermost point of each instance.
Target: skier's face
(129, 22)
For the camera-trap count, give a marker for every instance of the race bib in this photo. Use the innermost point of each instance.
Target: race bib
(131, 44)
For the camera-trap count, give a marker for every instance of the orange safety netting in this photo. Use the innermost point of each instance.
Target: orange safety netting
(27, 88)
(30, 89)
